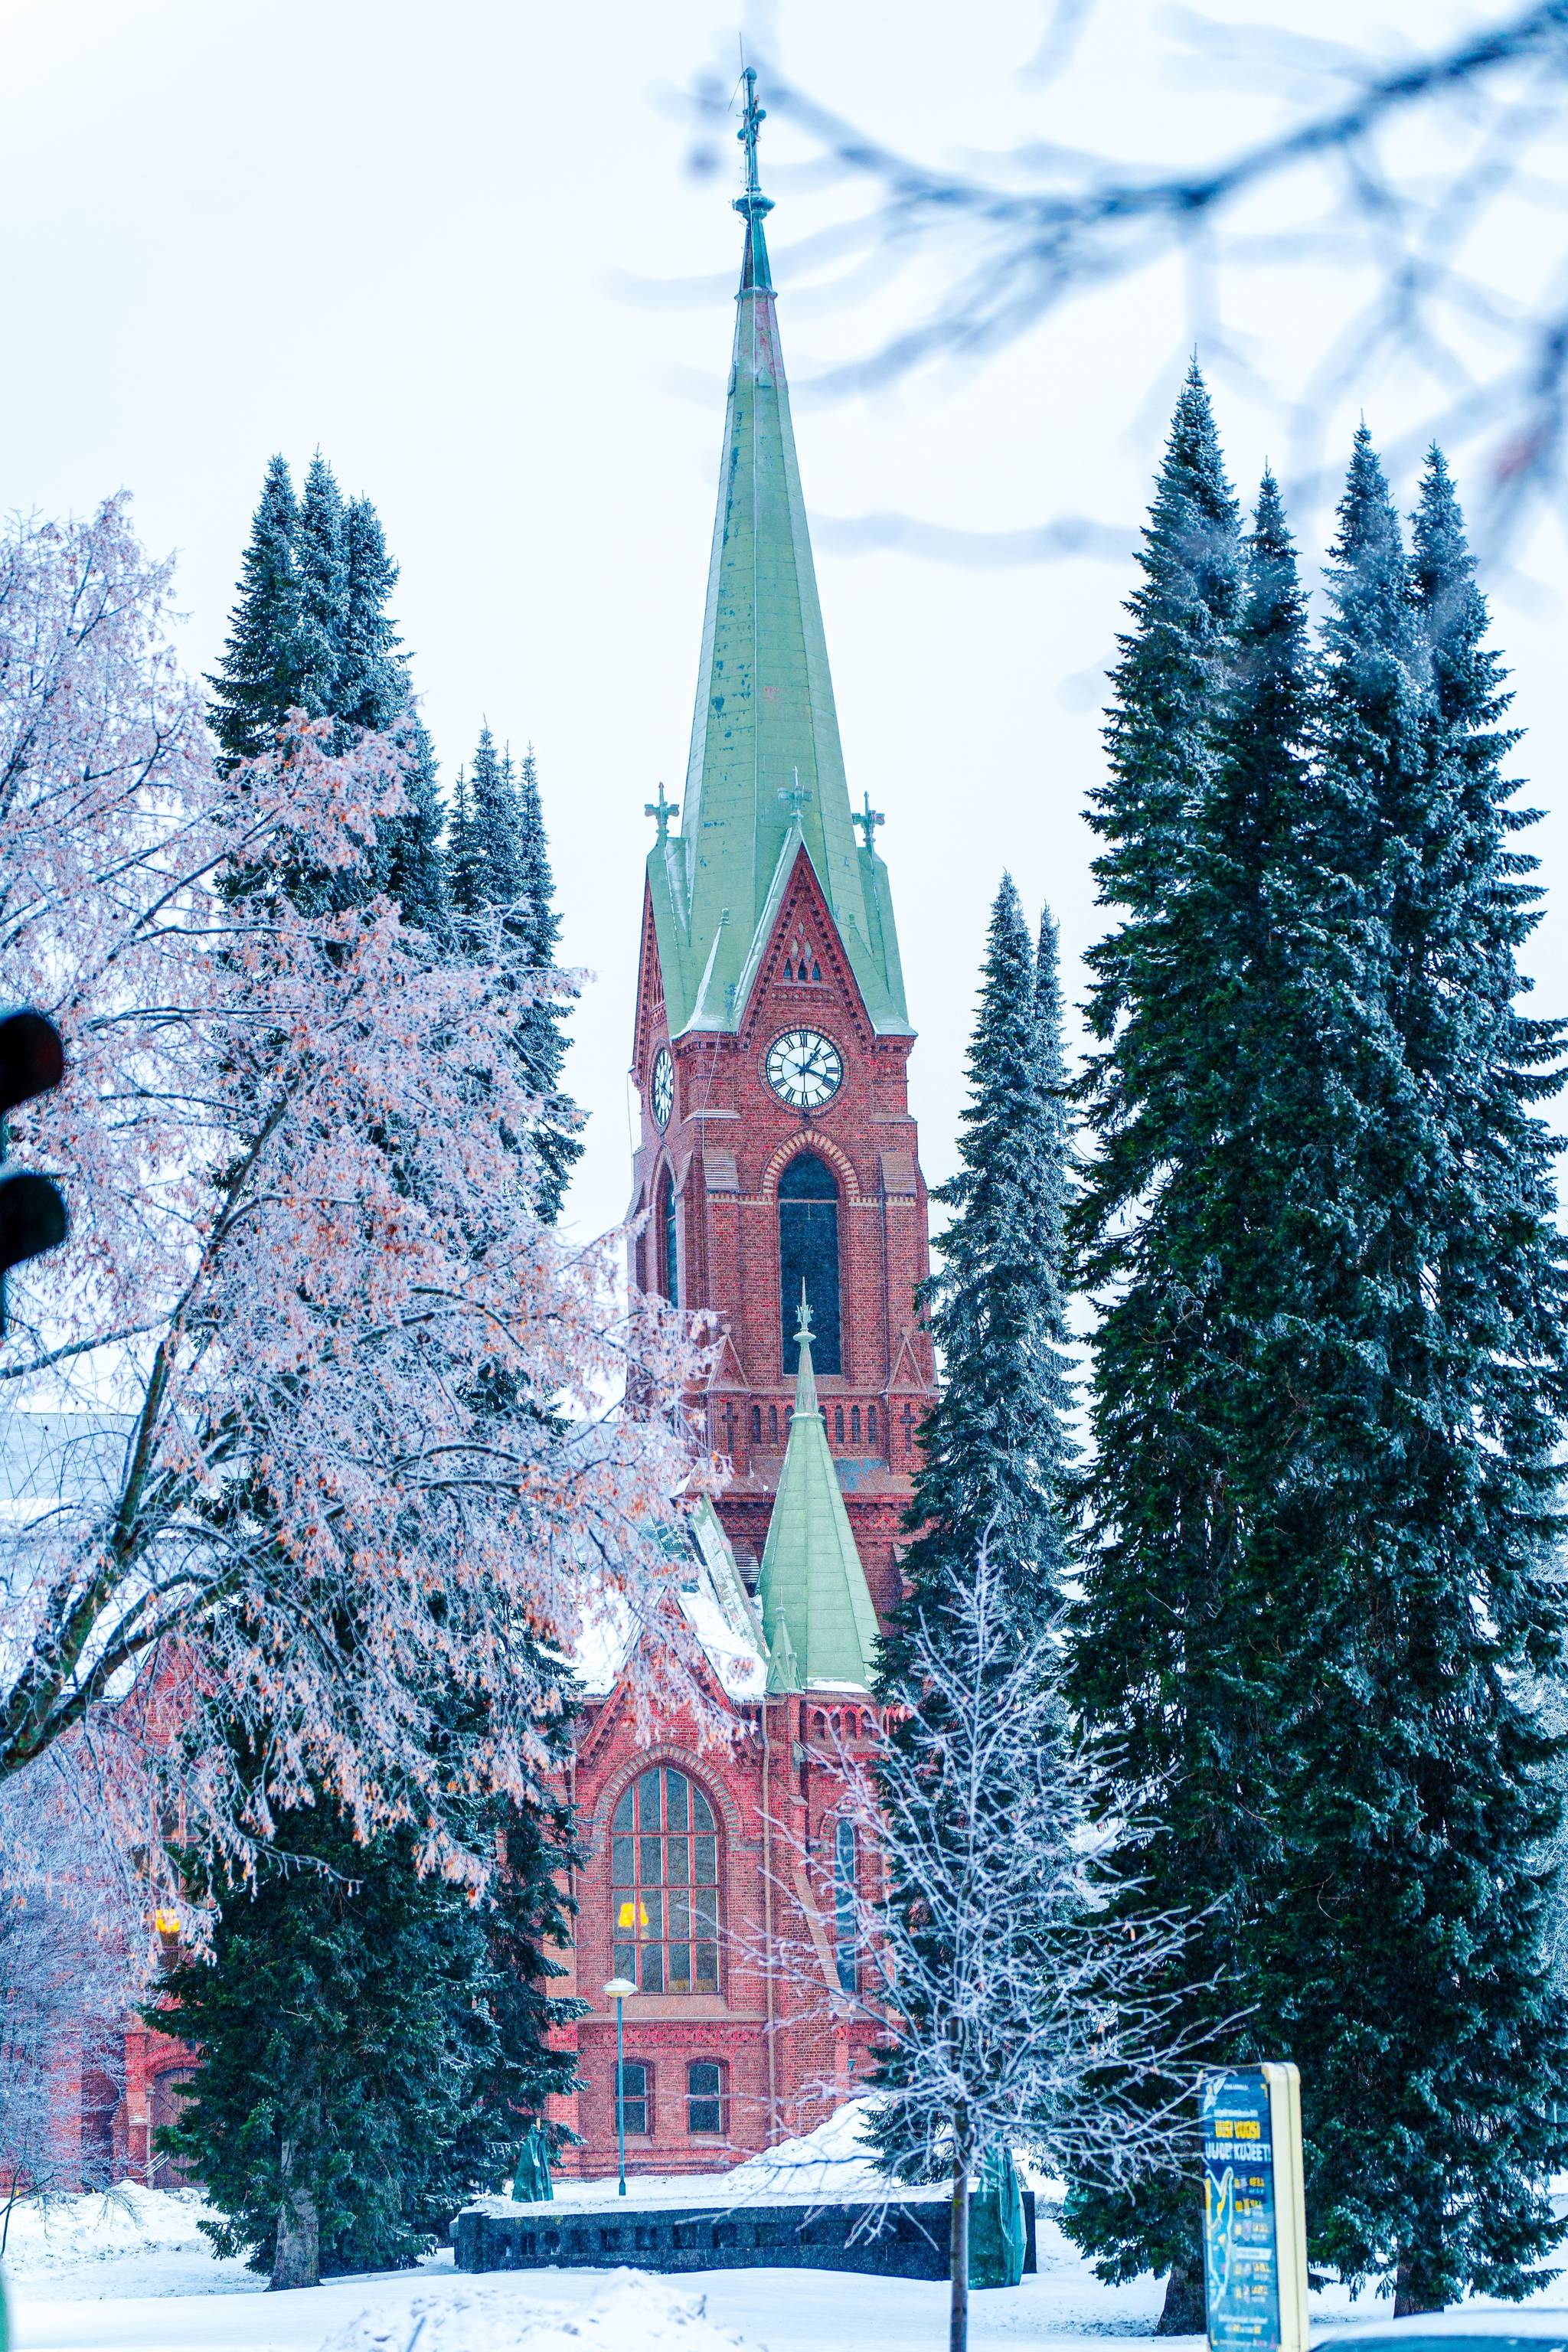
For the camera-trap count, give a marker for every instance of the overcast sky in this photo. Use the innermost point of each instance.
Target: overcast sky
(463, 250)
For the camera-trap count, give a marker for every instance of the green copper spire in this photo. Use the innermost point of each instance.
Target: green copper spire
(766, 773)
(817, 1616)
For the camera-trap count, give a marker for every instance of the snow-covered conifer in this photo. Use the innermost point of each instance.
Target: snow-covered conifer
(1406, 1948)
(540, 1033)
(322, 566)
(371, 688)
(254, 684)
(369, 2043)
(994, 1444)
(1205, 1100)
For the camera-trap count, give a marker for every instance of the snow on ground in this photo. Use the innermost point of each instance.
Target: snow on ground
(130, 2272)
(631, 2309)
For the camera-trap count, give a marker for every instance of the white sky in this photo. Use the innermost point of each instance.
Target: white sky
(427, 239)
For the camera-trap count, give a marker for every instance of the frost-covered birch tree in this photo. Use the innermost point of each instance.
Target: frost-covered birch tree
(295, 1145)
(1011, 2015)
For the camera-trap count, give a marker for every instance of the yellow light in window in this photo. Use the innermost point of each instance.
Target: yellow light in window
(634, 1915)
(167, 1923)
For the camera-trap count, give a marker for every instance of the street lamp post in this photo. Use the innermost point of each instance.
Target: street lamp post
(618, 1989)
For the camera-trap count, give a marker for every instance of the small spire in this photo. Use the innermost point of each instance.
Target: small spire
(797, 796)
(753, 206)
(806, 1372)
(868, 818)
(662, 811)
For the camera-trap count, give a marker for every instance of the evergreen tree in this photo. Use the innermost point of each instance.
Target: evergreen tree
(994, 1447)
(496, 850)
(321, 557)
(1168, 695)
(370, 2042)
(542, 1032)
(371, 688)
(1412, 1981)
(254, 685)
(1327, 1393)
(312, 632)
(464, 874)
(498, 858)
(1211, 1089)
(414, 871)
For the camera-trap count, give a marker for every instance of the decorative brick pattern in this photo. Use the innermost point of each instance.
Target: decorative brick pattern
(786, 2055)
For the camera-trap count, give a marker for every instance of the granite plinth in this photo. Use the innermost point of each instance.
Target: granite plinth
(906, 2238)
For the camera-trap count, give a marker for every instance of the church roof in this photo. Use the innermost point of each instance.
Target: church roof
(765, 775)
(818, 1613)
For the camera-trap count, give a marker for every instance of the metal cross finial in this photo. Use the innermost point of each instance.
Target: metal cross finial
(802, 1329)
(794, 796)
(661, 811)
(870, 819)
(751, 122)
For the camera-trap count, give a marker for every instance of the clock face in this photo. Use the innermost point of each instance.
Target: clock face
(805, 1068)
(661, 1092)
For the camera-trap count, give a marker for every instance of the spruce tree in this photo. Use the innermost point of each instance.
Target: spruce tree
(414, 866)
(254, 684)
(1169, 688)
(312, 632)
(495, 849)
(498, 859)
(370, 2044)
(371, 688)
(541, 1032)
(463, 869)
(1208, 1083)
(994, 1447)
(321, 557)
(1327, 1391)
(1406, 1942)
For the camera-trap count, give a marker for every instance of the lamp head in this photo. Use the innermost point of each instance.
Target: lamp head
(620, 1989)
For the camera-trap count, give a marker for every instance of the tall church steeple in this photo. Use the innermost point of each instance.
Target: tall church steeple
(765, 775)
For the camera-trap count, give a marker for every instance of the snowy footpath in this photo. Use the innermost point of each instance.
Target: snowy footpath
(131, 2271)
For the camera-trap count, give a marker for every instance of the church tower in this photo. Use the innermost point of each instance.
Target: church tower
(772, 1042)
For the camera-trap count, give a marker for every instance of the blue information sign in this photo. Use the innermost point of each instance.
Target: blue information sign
(1241, 2250)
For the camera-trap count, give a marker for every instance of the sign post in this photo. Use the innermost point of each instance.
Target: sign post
(1254, 2219)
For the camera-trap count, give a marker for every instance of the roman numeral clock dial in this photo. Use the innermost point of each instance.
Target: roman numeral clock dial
(661, 1091)
(805, 1068)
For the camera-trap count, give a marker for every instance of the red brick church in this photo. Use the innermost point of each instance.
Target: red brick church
(778, 1155)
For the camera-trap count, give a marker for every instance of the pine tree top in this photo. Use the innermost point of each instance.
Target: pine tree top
(1169, 675)
(322, 558)
(372, 688)
(253, 682)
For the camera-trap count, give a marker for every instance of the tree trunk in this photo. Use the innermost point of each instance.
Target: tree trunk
(1412, 2290)
(958, 2241)
(1185, 2312)
(297, 2258)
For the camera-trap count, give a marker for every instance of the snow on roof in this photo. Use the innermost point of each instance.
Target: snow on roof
(715, 1603)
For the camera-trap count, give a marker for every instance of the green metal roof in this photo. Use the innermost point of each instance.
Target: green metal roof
(818, 1613)
(766, 772)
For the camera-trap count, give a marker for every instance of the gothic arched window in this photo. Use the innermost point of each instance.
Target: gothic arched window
(664, 1885)
(808, 1253)
(668, 1229)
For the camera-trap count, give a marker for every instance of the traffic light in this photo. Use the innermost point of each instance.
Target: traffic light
(32, 1209)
